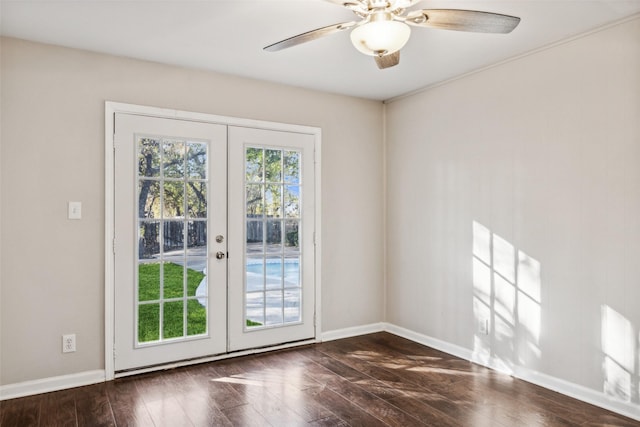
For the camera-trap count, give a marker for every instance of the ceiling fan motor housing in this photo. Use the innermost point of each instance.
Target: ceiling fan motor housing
(380, 35)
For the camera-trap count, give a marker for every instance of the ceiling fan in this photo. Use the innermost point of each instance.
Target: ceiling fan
(384, 26)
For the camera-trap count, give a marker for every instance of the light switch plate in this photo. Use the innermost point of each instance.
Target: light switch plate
(75, 210)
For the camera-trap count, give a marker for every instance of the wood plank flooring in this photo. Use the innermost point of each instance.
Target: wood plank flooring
(372, 380)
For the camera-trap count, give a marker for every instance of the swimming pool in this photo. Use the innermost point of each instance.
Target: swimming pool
(271, 273)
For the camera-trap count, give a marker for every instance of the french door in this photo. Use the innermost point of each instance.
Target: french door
(271, 237)
(213, 242)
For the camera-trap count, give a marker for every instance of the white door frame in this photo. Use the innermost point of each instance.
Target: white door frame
(109, 283)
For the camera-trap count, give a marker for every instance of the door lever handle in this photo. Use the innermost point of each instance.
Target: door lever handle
(220, 255)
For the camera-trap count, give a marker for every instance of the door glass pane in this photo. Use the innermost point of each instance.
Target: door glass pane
(172, 239)
(292, 201)
(292, 311)
(196, 199)
(255, 274)
(253, 164)
(149, 240)
(272, 251)
(173, 159)
(292, 167)
(173, 199)
(274, 313)
(197, 284)
(273, 165)
(273, 200)
(292, 272)
(148, 199)
(273, 273)
(148, 322)
(274, 237)
(149, 158)
(173, 319)
(197, 240)
(173, 275)
(197, 160)
(291, 237)
(149, 284)
(255, 238)
(196, 317)
(254, 309)
(254, 201)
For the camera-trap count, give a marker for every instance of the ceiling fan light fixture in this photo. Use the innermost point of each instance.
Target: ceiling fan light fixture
(380, 37)
(385, 26)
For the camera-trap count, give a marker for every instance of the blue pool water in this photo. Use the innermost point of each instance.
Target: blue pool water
(274, 267)
(272, 276)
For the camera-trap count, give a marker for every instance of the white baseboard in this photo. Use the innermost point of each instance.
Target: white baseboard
(353, 331)
(567, 388)
(579, 392)
(46, 385)
(444, 346)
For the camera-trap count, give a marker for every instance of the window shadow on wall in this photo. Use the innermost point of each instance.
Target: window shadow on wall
(507, 298)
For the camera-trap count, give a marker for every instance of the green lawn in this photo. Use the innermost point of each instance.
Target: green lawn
(149, 314)
(252, 323)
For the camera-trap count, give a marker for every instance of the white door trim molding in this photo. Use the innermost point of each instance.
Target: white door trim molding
(111, 108)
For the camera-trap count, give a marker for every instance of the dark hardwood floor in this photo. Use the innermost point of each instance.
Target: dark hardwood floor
(371, 380)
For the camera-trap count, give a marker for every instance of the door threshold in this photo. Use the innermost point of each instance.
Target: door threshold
(213, 358)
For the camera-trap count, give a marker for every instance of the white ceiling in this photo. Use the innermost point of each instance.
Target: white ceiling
(228, 37)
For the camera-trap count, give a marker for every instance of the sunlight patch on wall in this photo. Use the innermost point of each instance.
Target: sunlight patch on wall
(481, 289)
(481, 243)
(529, 285)
(619, 348)
(506, 301)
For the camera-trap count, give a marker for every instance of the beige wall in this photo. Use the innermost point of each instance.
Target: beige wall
(514, 196)
(52, 151)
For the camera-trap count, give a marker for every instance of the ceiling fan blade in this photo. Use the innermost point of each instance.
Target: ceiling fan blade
(309, 36)
(387, 61)
(463, 20)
